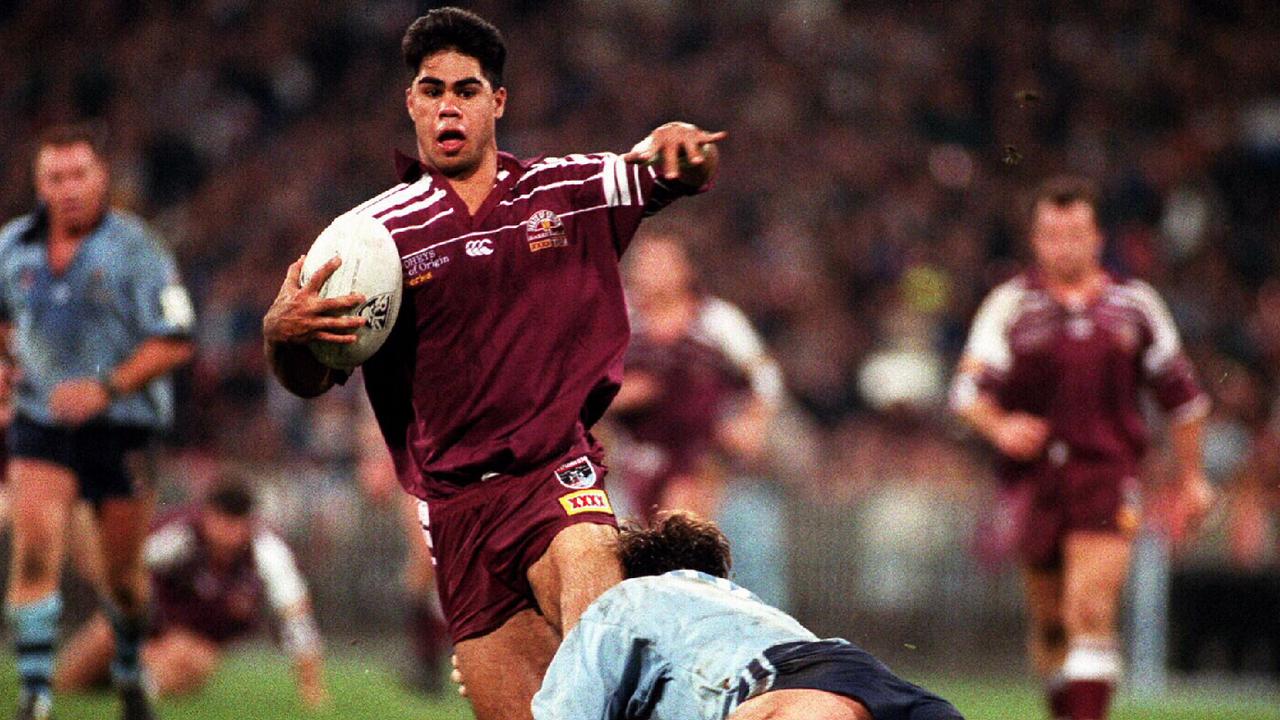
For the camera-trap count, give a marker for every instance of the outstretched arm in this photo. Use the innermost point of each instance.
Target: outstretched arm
(687, 153)
(299, 315)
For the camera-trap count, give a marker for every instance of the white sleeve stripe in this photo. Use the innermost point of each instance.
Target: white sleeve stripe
(402, 194)
(609, 180)
(550, 186)
(623, 181)
(988, 342)
(284, 584)
(413, 207)
(635, 173)
(1165, 345)
(423, 224)
(379, 197)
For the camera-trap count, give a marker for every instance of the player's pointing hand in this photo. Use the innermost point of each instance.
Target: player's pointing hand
(687, 152)
(299, 314)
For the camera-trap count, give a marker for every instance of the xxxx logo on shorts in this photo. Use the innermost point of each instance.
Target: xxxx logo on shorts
(585, 501)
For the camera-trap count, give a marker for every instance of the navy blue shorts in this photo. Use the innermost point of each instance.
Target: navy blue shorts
(105, 458)
(842, 668)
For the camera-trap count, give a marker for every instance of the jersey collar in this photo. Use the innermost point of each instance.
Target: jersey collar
(410, 169)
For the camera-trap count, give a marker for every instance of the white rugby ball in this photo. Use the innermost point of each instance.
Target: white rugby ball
(370, 266)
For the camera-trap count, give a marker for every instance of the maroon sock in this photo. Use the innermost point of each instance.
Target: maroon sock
(1088, 699)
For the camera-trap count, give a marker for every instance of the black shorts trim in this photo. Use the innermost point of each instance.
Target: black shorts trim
(842, 668)
(101, 455)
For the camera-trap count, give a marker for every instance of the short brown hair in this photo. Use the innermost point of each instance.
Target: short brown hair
(1061, 191)
(73, 134)
(675, 541)
(230, 495)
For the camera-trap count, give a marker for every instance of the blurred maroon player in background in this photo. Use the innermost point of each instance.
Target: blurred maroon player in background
(699, 389)
(214, 571)
(1051, 376)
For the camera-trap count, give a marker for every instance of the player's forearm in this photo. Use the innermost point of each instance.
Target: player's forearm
(153, 358)
(1186, 438)
(298, 370)
(982, 414)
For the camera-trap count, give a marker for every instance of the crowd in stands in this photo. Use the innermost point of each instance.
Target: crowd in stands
(870, 193)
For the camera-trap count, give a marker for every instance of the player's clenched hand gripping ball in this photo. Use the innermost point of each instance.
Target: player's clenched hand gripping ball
(371, 267)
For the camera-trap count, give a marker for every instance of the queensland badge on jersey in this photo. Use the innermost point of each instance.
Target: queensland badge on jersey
(577, 474)
(584, 501)
(544, 229)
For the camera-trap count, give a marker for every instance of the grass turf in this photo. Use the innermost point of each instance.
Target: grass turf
(255, 685)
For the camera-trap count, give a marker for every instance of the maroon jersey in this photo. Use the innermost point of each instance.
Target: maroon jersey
(1081, 368)
(220, 602)
(695, 376)
(511, 334)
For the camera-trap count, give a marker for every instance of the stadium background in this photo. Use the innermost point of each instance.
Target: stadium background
(868, 201)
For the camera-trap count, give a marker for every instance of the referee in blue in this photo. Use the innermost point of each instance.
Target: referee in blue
(93, 318)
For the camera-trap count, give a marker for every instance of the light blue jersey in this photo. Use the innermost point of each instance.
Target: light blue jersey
(683, 645)
(121, 288)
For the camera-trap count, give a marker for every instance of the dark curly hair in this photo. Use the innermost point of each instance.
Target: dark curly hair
(451, 28)
(675, 541)
(230, 495)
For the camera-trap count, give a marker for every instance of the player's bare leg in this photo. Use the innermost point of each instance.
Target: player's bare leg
(122, 530)
(1046, 633)
(579, 565)
(43, 495)
(1095, 567)
(504, 669)
(85, 659)
(180, 662)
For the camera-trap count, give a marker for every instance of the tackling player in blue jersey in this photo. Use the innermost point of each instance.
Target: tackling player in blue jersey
(93, 317)
(678, 641)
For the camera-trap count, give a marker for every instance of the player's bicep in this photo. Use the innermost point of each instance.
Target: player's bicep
(1166, 368)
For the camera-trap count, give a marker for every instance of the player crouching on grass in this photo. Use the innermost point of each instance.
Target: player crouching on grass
(678, 640)
(214, 569)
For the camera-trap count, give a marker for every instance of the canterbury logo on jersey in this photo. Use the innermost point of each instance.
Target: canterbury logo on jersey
(476, 248)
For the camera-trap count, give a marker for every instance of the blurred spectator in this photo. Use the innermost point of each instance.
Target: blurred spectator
(242, 128)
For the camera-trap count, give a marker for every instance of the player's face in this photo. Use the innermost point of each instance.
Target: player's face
(659, 270)
(71, 180)
(1066, 240)
(454, 111)
(227, 535)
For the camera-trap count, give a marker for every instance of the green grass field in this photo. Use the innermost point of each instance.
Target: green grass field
(255, 685)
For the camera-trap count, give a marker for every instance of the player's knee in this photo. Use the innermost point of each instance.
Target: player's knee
(34, 566)
(1091, 616)
(125, 594)
(1050, 635)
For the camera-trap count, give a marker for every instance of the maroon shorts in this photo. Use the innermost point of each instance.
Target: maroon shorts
(484, 539)
(1076, 497)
